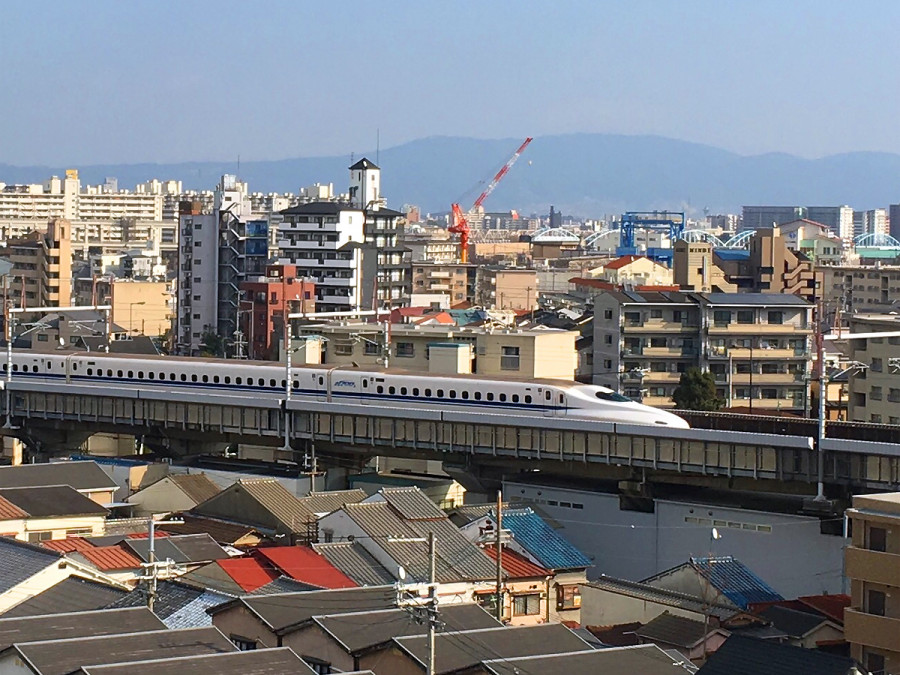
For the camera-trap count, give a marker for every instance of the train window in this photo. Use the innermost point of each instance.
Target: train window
(262, 382)
(215, 379)
(24, 369)
(380, 389)
(227, 379)
(527, 398)
(140, 374)
(440, 393)
(548, 395)
(415, 391)
(465, 395)
(162, 376)
(490, 396)
(428, 393)
(453, 393)
(118, 373)
(391, 390)
(273, 383)
(172, 377)
(205, 378)
(184, 377)
(477, 395)
(403, 391)
(109, 372)
(150, 375)
(15, 367)
(130, 373)
(608, 396)
(515, 398)
(502, 397)
(238, 380)
(365, 384)
(193, 378)
(90, 371)
(74, 366)
(296, 384)
(321, 381)
(561, 398)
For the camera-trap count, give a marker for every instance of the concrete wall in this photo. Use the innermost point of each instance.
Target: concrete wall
(793, 557)
(141, 307)
(160, 497)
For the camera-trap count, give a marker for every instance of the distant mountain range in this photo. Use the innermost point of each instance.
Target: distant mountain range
(581, 174)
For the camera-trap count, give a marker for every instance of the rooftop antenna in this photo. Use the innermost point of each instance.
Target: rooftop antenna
(378, 147)
(239, 167)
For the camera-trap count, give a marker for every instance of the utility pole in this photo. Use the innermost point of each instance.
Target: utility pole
(823, 393)
(404, 591)
(499, 544)
(432, 600)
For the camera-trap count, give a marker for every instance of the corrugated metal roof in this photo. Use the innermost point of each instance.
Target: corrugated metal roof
(661, 596)
(81, 475)
(221, 531)
(68, 544)
(748, 656)
(457, 558)
(543, 542)
(197, 486)
(275, 498)
(735, 580)
(673, 630)
(326, 502)
(357, 563)
(54, 500)
(109, 558)
(275, 661)
(304, 564)
(76, 624)
(9, 511)
(411, 503)
(248, 572)
(517, 566)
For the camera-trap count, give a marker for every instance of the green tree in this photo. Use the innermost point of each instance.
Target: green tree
(213, 344)
(696, 391)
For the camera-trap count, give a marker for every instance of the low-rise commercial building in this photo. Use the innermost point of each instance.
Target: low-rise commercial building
(506, 288)
(454, 280)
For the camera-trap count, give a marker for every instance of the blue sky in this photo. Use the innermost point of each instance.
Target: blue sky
(140, 81)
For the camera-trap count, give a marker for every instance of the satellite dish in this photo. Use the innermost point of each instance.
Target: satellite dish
(401, 573)
(715, 534)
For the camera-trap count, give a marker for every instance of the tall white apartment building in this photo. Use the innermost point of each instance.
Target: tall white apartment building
(327, 243)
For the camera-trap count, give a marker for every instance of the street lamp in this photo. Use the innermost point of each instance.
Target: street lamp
(130, 314)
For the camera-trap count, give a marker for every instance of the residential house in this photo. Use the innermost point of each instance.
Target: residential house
(633, 270)
(305, 565)
(764, 657)
(14, 630)
(532, 538)
(223, 532)
(84, 476)
(608, 601)
(175, 492)
(265, 620)
(340, 642)
(279, 661)
(72, 594)
(464, 651)
(393, 526)
(689, 637)
(37, 514)
(178, 605)
(643, 659)
(803, 628)
(261, 503)
(523, 582)
(62, 656)
(356, 562)
(113, 561)
(721, 580)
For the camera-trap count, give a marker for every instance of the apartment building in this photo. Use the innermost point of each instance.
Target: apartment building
(426, 247)
(42, 266)
(861, 288)
(543, 353)
(874, 393)
(506, 288)
(872, 564)
(383, 230)
(266, 299)
(758, 346)
(694, 268)
(454, 280)
(326, 242)
(141, 307)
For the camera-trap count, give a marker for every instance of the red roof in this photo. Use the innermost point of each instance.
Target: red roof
(437, 317)
(146, 535)
(619, 263)
(303, 564)
(68, 545)
(248, 573)
(517, 566)
(593, 283)
(110, 558)
(9, 511)
(832, 606)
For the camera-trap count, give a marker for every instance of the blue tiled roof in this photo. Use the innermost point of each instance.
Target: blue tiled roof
(735, 580)
(551, 550)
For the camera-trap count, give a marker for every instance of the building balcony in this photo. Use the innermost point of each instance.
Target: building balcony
(756, 329)
(661, 378)
(772, 403)
(871, 630)
(330, 298)
(309, 245)
(669, 351)
(658, 401)
(657, 326)
(439, 275)
(873, 566)
(439, 287)
(757, 353)
(336, 281)
(764, 379)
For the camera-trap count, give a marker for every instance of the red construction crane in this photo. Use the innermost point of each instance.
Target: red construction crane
(459, 223)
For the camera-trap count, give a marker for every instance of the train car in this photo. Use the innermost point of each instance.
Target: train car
(365, 386)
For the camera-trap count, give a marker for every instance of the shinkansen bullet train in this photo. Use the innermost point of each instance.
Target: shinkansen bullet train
(346, 384)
